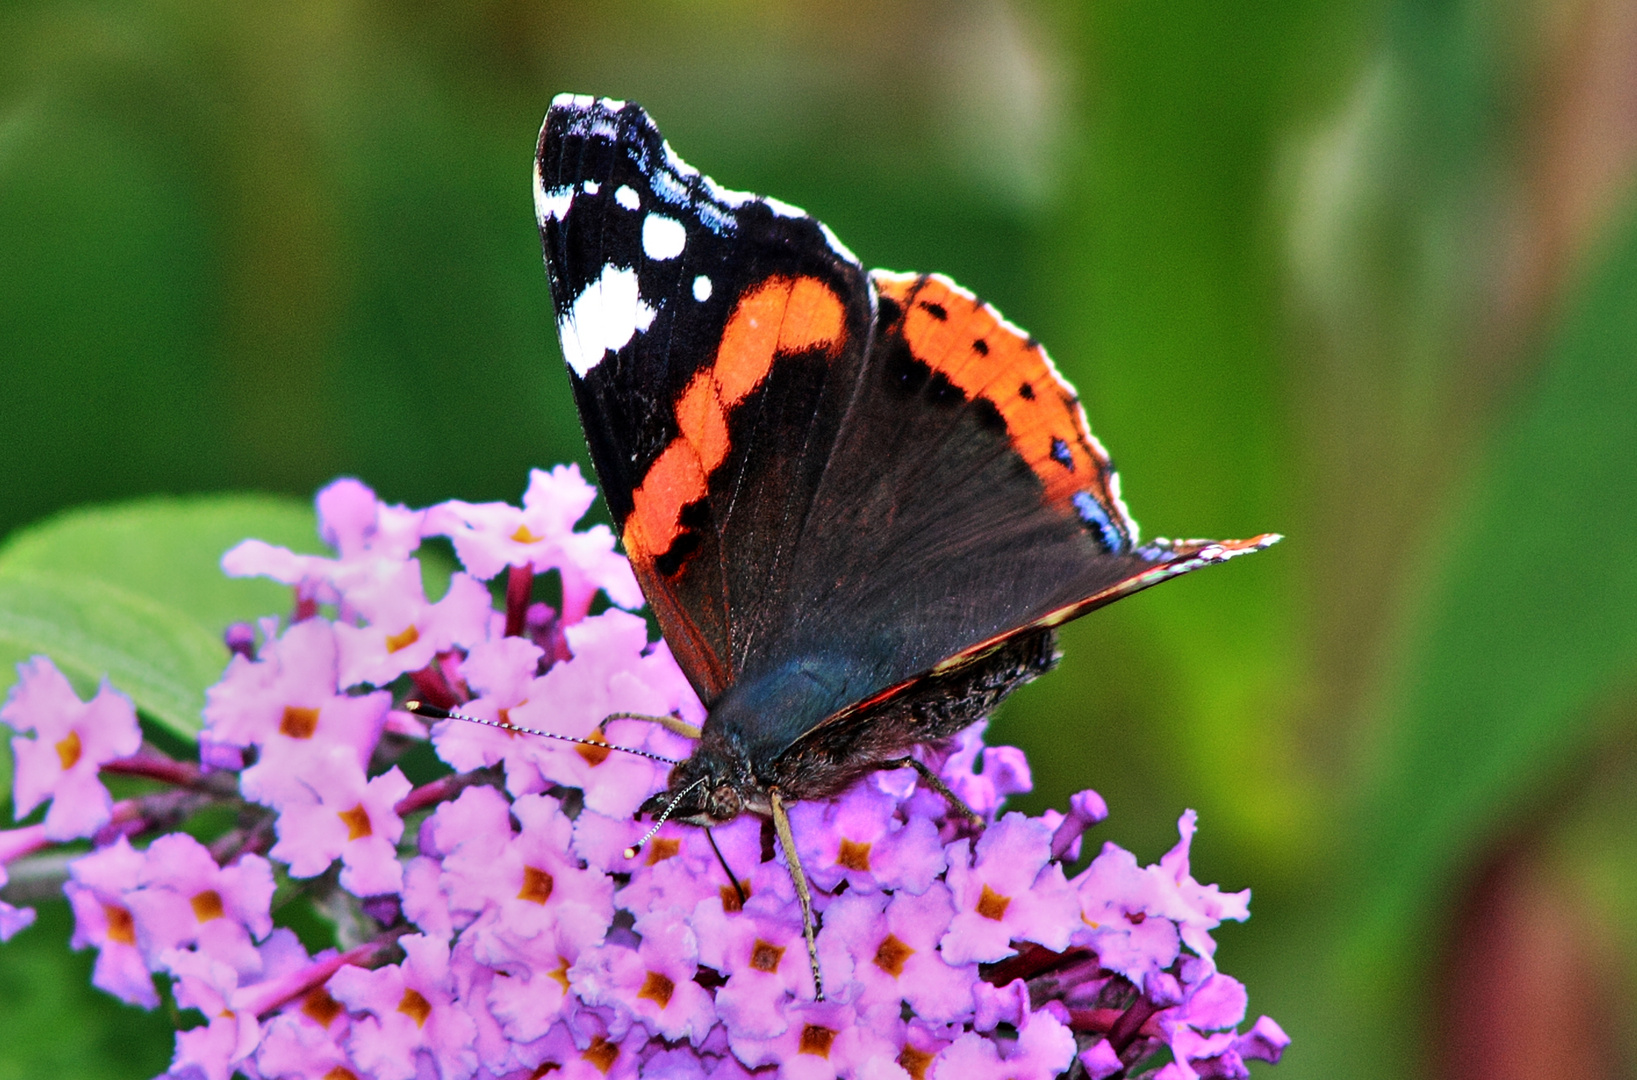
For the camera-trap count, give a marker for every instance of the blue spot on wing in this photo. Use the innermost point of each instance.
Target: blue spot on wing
(1095, 516)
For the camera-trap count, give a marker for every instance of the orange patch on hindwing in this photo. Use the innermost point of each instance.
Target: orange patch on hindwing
(781, 316)
(965, 341)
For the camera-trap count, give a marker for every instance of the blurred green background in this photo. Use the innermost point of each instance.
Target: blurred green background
(1360, 271)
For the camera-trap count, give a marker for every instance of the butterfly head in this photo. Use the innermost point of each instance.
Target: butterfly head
(712, 787)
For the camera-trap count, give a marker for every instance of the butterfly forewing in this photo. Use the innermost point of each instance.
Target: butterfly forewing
(713, 340)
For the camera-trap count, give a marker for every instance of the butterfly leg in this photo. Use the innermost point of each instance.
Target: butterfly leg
(781, 824)
(936, 783)
(669, 723)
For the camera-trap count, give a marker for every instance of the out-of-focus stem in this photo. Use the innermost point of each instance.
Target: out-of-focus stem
(265, 997)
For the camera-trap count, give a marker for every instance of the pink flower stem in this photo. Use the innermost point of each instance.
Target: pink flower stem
(1033, 960)
(1097, 1021)
(519, 584)
(254, 837)
(432, 685)
(16, 843)
(577, 596)
(149, 813)
(155, 766)
(1130, 1024)
(437, 791)
(265, 997)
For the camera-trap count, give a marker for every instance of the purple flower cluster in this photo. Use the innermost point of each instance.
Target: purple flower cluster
(489, 923)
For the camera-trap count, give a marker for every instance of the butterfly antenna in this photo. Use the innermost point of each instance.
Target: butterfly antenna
(432, 712)
(631, 852)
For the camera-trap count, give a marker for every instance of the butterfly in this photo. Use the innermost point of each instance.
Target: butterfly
(859, 503)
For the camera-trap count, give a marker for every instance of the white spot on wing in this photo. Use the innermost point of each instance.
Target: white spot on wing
(837, 246)
(584, 102)
(628, 198)
(701, 288)
(662, 237)
(680, 167)
(782, 208)
(591, 187)
(550, 204)
(729, 197)
(604, 316)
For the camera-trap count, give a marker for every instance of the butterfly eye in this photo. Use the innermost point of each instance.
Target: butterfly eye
(724, 803)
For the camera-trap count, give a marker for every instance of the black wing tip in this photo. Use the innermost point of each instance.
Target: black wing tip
(587, 114)
(569, 108)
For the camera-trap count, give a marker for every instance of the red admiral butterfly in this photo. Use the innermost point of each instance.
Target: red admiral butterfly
(859, 502)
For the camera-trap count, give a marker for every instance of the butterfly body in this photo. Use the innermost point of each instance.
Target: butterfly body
(741, 756)
(858, 502)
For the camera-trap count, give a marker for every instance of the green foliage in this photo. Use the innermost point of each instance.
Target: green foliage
(1527, 635)
(54, 1025)
(135, 594)
(92, 630)
(1532, 624)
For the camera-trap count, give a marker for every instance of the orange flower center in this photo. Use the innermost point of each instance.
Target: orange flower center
(298, 722)
(537, 886)
(730, 897)
(891, 954)
(602, 1054)
(416, 1007)
(664, 848)
(121, 928)
(816, 1040)
(594, 755)
(854, 856)
(319, 1006)
(403, 640)
(69, 750)
(992, 905)
(357, 822)
(208, 905)
(657, 989)
(915, 1062)
(765, 956)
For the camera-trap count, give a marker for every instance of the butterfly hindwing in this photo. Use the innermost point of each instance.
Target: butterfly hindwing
(967, 508)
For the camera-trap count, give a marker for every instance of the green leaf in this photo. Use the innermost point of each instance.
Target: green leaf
(92, 630)
(1531, 624)
(55, 1024)
(170, 550)
(136, 593)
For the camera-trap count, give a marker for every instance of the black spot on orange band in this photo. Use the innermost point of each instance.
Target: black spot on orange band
(956, 339)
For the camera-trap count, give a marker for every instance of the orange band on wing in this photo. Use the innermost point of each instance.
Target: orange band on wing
(672, 482)
(782, 315)
(962, 338)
